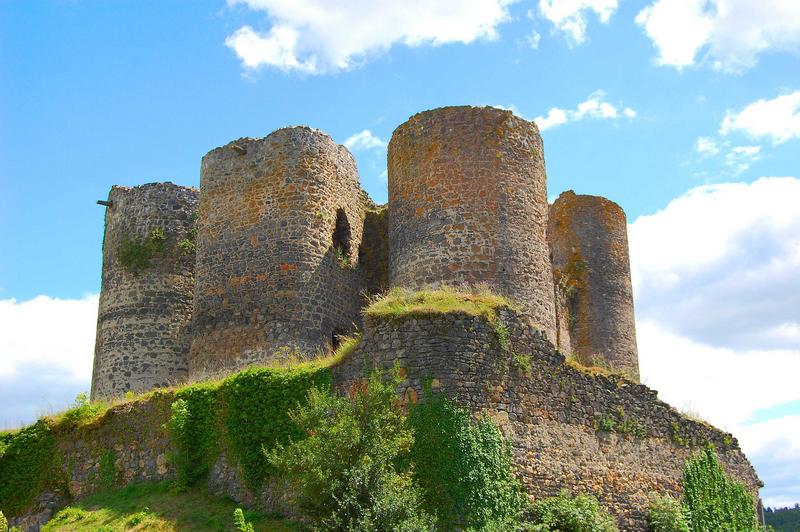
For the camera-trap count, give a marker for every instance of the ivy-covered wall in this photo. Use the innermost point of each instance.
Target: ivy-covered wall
(570, 429)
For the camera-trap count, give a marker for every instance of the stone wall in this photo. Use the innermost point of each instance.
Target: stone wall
(269, 277)
(144, 315)
(468, 205)
(553, 412)
(373, 255)
(589, 245)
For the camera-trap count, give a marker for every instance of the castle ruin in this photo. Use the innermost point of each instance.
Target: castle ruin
(279, 250)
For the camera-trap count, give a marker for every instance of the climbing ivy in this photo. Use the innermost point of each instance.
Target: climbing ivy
(713, 500)
(26, 465)
(464, 467)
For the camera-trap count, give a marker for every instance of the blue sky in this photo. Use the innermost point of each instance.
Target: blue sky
(686, 112)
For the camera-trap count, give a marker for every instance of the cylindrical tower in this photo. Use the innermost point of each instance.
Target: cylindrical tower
(468, 205)
(589, 243)
(280, 224)
(147, 288)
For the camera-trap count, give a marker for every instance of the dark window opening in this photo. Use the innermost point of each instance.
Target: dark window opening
(341, 234)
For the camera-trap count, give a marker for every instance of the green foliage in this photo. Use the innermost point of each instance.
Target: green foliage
(157, 506)
(581, 513)
(3, 523)
(82, 409)
(714, 501)
(341, 257)
(27, 460)
(135, 254)
(521, 361)
(783, 519)
(620, 423)
(666, 514)
(108, 470)
(344, 469)
(464, 467)
(255, 406)
(193, 428)
(503, 337)
(400, 304)
(240, 523)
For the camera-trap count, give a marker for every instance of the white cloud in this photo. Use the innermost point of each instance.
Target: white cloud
(739, 158)
(594, 106)
(319, 36)
(533, 39)
(729, 34)
(777, 119)
(47, 348)
(718, 314)
(364, 140)
(706, 146)
(570, 16)
(719, 264)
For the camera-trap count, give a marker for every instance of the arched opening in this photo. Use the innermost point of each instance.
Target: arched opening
(341, 235)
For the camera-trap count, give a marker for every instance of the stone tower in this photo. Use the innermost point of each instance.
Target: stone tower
(591, 269)
(147, 287)
(280, 224)
(468, 205)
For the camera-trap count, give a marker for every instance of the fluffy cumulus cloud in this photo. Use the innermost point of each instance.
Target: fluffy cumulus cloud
(727, 34)
(718, 315)
(46, 350)
(777, 119)
(318, 36)
(570, 16)
(595, 106)
(365, 140)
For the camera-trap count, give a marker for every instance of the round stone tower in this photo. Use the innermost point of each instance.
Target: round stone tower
(147, 288)
(280, 224)
(468, 205)
(589, 244)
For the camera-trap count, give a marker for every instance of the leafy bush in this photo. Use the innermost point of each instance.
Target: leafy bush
(344, 469)
(3, 523)
(464, 467)
(82, 409)
(26, 465)
(135, 254)
(581, 513)
(712, 499)
(667, 515)
(240, 524)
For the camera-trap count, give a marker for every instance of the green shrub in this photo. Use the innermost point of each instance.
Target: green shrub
(3, 523)
(240, 524)
(714, 501)
(344, 470)
(464, 467)
(666, 514)
(108, 470)
(82, 409)
(255, 407)
(581, 513)
(27, 463)
(135, 254)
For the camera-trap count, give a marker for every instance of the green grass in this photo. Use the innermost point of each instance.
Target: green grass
(157, 507)
(401, 304)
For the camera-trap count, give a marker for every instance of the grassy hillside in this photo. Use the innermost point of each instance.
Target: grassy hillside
(157, 507)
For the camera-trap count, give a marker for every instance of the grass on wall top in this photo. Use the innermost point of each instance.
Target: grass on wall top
(401, 303)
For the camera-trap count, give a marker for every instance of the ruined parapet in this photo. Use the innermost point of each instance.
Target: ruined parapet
(147, 287)
(589, 245)
(280, 225)
(468, 205)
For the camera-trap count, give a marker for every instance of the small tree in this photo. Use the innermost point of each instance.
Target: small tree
(240, 524)
(712, 499)
(344, 471)
(581, 513)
